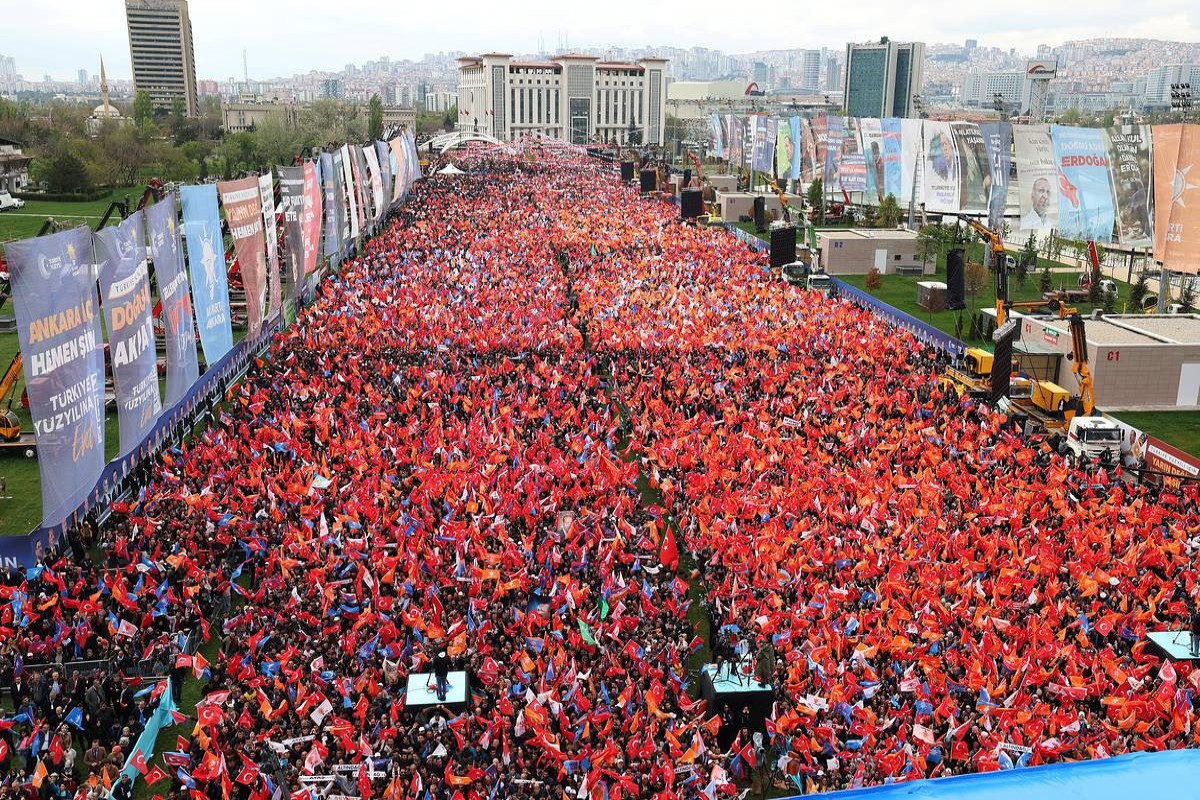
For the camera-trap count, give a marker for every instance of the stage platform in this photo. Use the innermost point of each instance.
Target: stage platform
(421, 691)
(1175, 645)
(745, 702)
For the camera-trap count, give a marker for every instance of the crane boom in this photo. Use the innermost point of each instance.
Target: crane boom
(11, 376)
(998, 258)
(1079, 364)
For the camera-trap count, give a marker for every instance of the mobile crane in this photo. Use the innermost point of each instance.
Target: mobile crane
(711, 216)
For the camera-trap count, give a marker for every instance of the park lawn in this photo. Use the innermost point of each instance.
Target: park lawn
(1178, 428)
(26, 222)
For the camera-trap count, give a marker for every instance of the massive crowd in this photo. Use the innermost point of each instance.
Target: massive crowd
(476, 448)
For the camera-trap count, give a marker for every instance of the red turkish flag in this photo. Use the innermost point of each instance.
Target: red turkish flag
(155, 774)
(139, 762)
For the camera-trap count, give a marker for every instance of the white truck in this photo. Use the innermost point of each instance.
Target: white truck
(1089, 438)
(7, 201)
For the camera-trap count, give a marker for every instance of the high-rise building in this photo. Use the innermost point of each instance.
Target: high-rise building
(981, 88)
(833, 75)
(332, 87)
(810, 70)
(1159, 80)
(8, 68)
(82, 77)
(160, 48)
(574, 97)
(882, 78)
(760, 74)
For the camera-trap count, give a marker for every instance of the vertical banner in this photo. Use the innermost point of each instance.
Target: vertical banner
(1085, 195)
(291, 195)
(1037, 178)
(893, 159)
(854, 162)
(310, 220)
(870, 135)
(806, 161)
(820, 132)
(58, 327)
(785, 149)
(401, 158)
(179, 327)
(375, 183)
(348, 190)
(940, 174)
(362, 185)
(383, 155)
(912, 140)
(834, 134)
(125, 296)
(206, 267)
(333, 211)
(243, 211)
(974, 174)
(716, 138)
(737, 141)
(1177, 196)
(764, 143)
(1130, 157)
(414, 162)
(997, 142)
(266, 192)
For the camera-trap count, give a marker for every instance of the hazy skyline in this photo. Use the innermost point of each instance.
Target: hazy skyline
(306, 36)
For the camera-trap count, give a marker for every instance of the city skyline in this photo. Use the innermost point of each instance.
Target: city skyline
(223, 29)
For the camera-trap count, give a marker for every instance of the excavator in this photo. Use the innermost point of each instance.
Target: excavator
(11, 435)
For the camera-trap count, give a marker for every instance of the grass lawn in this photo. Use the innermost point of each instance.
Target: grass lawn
(26, 222)
(1178, 428)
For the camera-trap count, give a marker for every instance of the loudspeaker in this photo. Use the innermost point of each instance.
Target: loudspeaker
(627, 171)
(691, 204)
(760, 213)
(649, 180)
(954, 280)
(783, 246)
(1002, 365)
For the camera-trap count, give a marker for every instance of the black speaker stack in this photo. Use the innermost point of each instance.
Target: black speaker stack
(627, 171)
(760, 213)
(783, 246)
(1002, 365)
(648, 180)
(955, 285)
(691, 204)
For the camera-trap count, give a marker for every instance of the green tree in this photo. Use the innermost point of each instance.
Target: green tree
(198, 152)
(374, 118)
(816, 194)
(66, 173)
(1187, 298)
(889, 212)
(143, 108)
(929, 242)
(634, 135)
(975, 277)
(1045, 282)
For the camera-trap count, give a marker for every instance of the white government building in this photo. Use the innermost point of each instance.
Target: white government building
(574, 97)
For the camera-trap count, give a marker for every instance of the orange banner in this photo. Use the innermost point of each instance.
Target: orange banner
(1177, 196)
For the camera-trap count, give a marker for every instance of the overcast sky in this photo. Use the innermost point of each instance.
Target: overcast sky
(60, 37)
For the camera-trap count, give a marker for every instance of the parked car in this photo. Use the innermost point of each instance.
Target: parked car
(7, 201)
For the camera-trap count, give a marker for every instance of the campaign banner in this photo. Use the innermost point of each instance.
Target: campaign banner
(1130, 157)
(291, 195)
(893, 158)
(820, 133)
(912, 140)
(206, 267)
(414, 161)
(805, 163)
(1177, 196)
(1085, 197)
(760, 160)
(854, 162)
(785, 148)
(341, 197)
(348, 190)
(125, 298)
(716, 136)
(737, 141)
(375, 183)
(266, 192)
(833, 153)
(310, 219)
(383, 154)
(997, 143)
(242, 201)
(179, 326)
(333, 211)
(1037, 177)
(362, 185)
(974, 175)
(400, 156)
(940, 168)
(58, 327)
(870, 137)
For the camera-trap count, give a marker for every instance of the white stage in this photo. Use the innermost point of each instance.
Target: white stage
(422, 690)
(727, 680)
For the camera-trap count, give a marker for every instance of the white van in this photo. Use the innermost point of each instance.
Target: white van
(7, 201)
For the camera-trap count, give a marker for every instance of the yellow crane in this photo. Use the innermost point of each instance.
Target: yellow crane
(10, 424)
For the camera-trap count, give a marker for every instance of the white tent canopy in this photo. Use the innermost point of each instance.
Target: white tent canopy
(450, 169)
